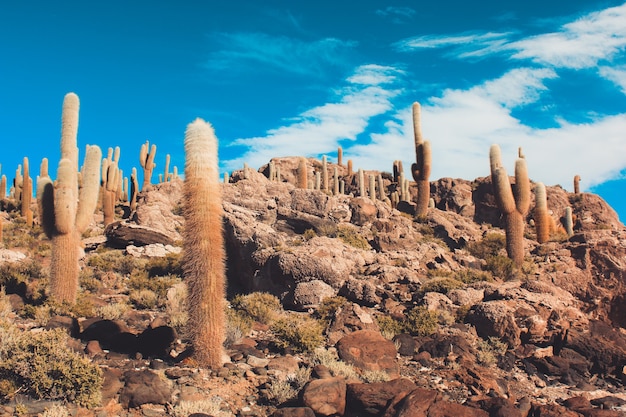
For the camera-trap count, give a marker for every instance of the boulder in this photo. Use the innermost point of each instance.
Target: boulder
(368, 350)
(326, 397)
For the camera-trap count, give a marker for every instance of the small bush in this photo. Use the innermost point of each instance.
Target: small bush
(260, 306)
(351, 237)
(211, 407)
(166, 265)
(440, 285)
(389, 327)
(329, 306)
(147, 299)
(44, 367)
(309, 234)
(139, 280)
(176, 305)
(489, 350)
(470, 275)
(112, 311)
(490, 245)
(238, 324)
(302, 334)
(501, 266)
(336, 366)
(421, 322)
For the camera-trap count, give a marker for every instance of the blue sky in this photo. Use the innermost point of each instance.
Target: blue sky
(280, 78)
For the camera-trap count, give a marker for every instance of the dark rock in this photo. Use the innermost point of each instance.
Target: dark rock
(144, 387)
(121, 234)
(372, 399)
(370, 351)
(294, 412)
(326, 397)
(407, 345)
(155, 342)
(69, 324)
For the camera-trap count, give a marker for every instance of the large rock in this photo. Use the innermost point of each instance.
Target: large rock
(495, 319)
(372, 399)
(144, 387)
(369, 351)
(326, 397)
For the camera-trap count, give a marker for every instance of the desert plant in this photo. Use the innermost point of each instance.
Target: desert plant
(329, 307)
(324, 174)
(541, 215)
(514, 207)
(67, 210)
(146, 160)
(351, 237)
(422, 166)
(301, 334)
(302, 174)
(421, 322)
(576, 184)
(568, 222)
(43, 366)
(260, 306)
(340, 156)
(203, 244)
(440, 285)
(27, 194)
(111, 175)
(144, 299)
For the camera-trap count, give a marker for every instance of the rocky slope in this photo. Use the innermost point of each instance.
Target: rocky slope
(433, 320)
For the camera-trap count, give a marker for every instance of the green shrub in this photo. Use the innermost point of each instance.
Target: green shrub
(421, 322)
(389, 327)
(501, 266)
(166, 265)
(351, 237)
(471, 275)
(309, 234)
(144, 299)
(238, 324)
(490, 245)
(139, 280)
(440, 285)
(489, 350)
(302, 334)
(44, 367)
(329, 306)
(260, 306)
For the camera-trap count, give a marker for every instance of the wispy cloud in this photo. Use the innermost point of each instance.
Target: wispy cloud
(615, 74)
(596, 37)
(368, 93)
(238, 51)
(462, 45)
(397, 15)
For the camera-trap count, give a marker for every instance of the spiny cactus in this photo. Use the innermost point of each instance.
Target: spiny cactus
(541, 215)
(335, 181)
(514, 208)
(421, 168)
(568, 222)
(166, 173)
(303, 181)
(340, 156)
(203, 244)
(27, 194)
(361, 183)
(67, 210)
(372, 187)
(349, 167)
(134, 189)
(397, 171)
(324, 174)
(3, 186)
(146, 160)
(318, 181)
(577, 184)
(110, 184)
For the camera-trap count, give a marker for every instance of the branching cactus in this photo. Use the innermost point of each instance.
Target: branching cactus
(203, 244)
(423, 161)
(146, 160)
(303, 181)
(109, 192)
(66, 210)
(514, 207)
(397, 171)
(541, 215)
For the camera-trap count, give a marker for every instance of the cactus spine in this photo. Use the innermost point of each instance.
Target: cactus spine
(146, 160)
(514, 208)
(541, 215)
(67, 210)
(303, 181)
(423, 161)
(203, 243)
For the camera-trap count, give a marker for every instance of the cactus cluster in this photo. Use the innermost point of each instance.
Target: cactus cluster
(514, 206)
(67, 209)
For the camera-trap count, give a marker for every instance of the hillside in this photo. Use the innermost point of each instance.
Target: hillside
(338, 305)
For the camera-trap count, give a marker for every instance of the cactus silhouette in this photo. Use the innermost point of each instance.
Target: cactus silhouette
(513, 207)
(65, 209)
(203, 244)
(541, 215)
(423, 160)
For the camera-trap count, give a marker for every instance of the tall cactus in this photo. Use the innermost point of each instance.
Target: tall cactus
(568, 222)
(514, 207)
(166, 173)
(576, 184)
(146, 160)
(303, 181)
(423, 161)
(67, 210)
(134, 189)
(27, 194)
(203, 244)
(541, 215)
(340, 156)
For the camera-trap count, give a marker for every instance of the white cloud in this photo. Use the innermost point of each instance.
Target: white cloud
(580, 44)
(245, 50)
(615, 74)
(462, 124)
(320, 129)
(464, 45)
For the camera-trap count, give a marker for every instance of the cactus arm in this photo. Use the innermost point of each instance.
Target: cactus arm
(88, 194)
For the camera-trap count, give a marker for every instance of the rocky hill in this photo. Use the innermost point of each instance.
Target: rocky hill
(339, 305)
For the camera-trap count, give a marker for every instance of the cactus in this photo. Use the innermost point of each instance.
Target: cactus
(397, 171)
(166, 174)
(577, 184)
(568, 222)
(109, 190)
(146, 160)
(303, 181)
(134, 189)
(342, 186)
(361, 183)
(349, 167)
(3, 186)
(335, 181)
(67, 210)
(318, 180)
(421, 168)
(18, 183)
(340, 156)
(514, 207)
(381, 187)
(27, 194)
(541, 215)
(324, 174)
(372, 187)
(226, 178)
(203, 243)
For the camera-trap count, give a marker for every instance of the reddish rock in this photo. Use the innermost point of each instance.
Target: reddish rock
(495, 318)
(372, 399)
(93, 348)
(552, 410)
(294, 412)
(370, 351)
(427, 403)
(144, 387)
(326, 397)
